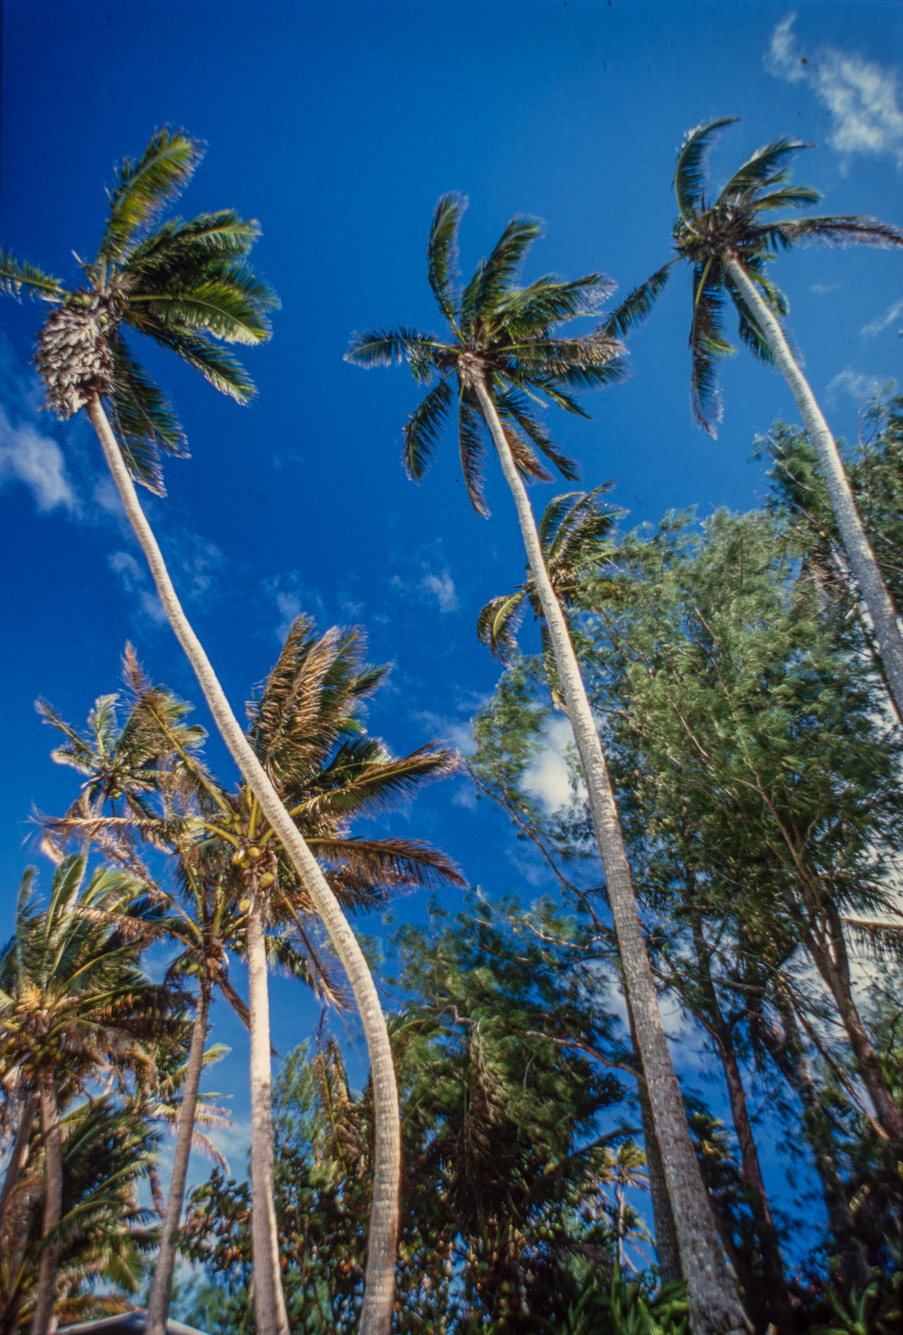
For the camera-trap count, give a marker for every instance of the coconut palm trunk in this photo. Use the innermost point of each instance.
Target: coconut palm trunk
(852, 534)
(53, 1204)
(715, 1307)
(19, 1153)
(376, 1314)
(269, 1301)
(158, 1305)
(667, 1250)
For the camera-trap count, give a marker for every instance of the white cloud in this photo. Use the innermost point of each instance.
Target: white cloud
(548, 777)
(443, 588)
(27, 456)
(890, 316)
(855, 383)
(444, 729)
(133, 577)
(429, 587)
(861, 96)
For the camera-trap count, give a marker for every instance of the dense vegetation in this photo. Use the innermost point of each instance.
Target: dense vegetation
(522, 1158)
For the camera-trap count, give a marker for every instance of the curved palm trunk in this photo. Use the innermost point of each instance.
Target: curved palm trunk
(53, 1205)
(853, 536)
(158, 1306)
(269, 1300)
(715, 1307)
(19, 1153)
(376, 1314)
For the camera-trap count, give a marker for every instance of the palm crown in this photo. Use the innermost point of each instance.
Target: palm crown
(575, 532)
(504, 335)
(733, 226)
(182, 283)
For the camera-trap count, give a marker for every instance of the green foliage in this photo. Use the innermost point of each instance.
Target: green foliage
(504, 336)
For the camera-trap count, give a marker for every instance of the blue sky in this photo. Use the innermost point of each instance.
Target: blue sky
(338, 125)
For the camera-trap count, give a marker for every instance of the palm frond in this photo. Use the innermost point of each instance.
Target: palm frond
(145, 185)
(689, 174)
(442, 251)
(785, 197)
(532, 310)
(423, 428)
(219, 367)
(390, 863)
(498, 623)
(767, 166)
(143, 419)
(633, 310)
(472, 449)
(503, 265)
(18, 274)
(513, 410)
(707, 344)
(835, 231)
(389, 347)
(178, 248)
(230, 306)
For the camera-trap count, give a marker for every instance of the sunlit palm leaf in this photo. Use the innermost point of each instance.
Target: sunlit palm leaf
(767, 166)
(442, 251)
(689, 174)
(18, 274)
(144, 186)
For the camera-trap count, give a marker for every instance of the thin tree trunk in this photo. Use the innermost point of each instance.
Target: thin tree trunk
(790, 1058)
(666, 1248)
(53, 1205)
(715, 1307)
(19, 1152)
(376, 1313)
(269, 1300)
(832, 963)
(853, 536)
(158, 1306)
(777, 1297)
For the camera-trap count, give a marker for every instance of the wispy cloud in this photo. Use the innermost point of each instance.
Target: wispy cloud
(429, 586)
(36, 460)
(861, 96)
(890, 316)
(292, 598)
(856, 384)
(134, 580)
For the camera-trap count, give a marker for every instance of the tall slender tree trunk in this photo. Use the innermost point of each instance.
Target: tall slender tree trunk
(269, 1300)
(376, 1314)
(789, 1056)
(158, 1306)
(715, 1307)
(19, 1152)
(53, 1205)
(852, 534)
(666, 1249)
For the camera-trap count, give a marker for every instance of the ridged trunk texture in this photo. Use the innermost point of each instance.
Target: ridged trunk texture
(666, 1249)
(376, 1314)
(715, 1307)
(269, 1300)
(53, 1205)
(158, 1305)
(853, 536)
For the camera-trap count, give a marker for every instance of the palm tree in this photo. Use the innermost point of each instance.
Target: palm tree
(728, 242)
(502, 346)
(234, 885)
(73, 1002)
(184, 285)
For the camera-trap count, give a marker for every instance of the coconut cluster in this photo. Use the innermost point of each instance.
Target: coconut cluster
(74, 358)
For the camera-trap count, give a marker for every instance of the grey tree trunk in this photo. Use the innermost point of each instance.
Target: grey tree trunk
(714, 1300)
(853, 536)
(269, 1300)
(376, 1314)
(158, 1305)
(666, 1249)
(53, 1205)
